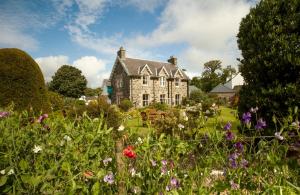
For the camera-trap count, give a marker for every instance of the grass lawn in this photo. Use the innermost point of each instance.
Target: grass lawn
(213, 123)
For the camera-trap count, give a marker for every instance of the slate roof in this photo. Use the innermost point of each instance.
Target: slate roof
(134, 66)
(193, 88)
(221, 89)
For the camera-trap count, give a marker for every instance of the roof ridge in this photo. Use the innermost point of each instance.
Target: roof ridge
(149, 60)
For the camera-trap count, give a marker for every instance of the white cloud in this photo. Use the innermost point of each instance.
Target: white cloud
(207, 28)
(145, 5)
(50, 64)
(93, 69)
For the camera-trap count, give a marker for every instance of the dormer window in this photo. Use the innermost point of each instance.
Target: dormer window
(177, 82)
(145, 80)
(162, 81)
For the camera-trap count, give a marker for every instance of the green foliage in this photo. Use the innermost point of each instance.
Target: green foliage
(159, 106)
(56, 100)
(92, 92)
(125, 105)
(269, 40)
(199, 96)
(68, 81)
(22, 81)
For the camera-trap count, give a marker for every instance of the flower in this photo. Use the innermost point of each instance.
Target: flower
(36, 149)
(164, 162)
(216, 173)
(233, 160)
(234, 186)
(109, 178)
(254, 110)
(10, 172)
(42, 118)
(295, 124)
(67, 138)
(278, 136)
(229, 135)
(246, 117)
(227, 126)
(180, 126)
(121, 128)
(128, 152)
(174, 183)
(244, 163)
(139, 141)
(132, 172)
(261, 124)
(106, 161)
(2, 172)
(239, 147)
(153, 163)
(4, 114)
(186, 118)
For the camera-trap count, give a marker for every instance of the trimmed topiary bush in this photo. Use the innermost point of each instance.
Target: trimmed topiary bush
(22, 81)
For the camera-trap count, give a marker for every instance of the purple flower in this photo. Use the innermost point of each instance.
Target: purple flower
(246, 117)
(174, 183)
(168, 188)
(229, 135)
(164, 162)
(109, 178)
(261, 124)
(164, 170)
(42, 118)
(233, 160)
(239, 147)
(4, 114)
(227, 126)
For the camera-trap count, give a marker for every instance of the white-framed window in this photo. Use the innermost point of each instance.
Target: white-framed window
(162, 81)
(177, 82)
(145, 80)
(145, 99)
(162, 98)
(177, 99)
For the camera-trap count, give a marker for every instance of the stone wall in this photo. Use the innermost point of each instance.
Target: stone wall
(123, 92)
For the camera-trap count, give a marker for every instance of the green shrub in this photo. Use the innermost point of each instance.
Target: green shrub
(125, 105)
(269, 40)
(22, 81)
(159, 106)
(56, 100)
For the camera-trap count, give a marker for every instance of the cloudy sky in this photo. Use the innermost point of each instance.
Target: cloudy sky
(88, 33)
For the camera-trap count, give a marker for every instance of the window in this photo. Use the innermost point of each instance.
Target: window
(145, 99)
(162, 81)
(177, 99)
(162, 98)
(145, 80)
(177, 82)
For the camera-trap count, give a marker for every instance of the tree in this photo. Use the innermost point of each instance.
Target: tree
(92, 92)
(211, 75)
(68, 81)
(269, 40)
(227, 73)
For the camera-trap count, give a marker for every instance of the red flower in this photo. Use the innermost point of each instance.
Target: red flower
(129, 152)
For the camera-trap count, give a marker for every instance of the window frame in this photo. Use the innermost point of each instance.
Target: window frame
(162, 98)
(162, 81)
(177, 82)
(177, 99)
(145, 78)
(145, 99)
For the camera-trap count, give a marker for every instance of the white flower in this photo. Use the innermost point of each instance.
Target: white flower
(133, 172)
(217, 173)
(2, 172)
(10, 172)
(121, 128)
(186, 118)
(67, 138)
(180, 126)
(278, 136)
(139, 141)
(36, 149)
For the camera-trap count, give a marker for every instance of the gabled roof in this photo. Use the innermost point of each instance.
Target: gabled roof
(134, 67)
(221, 89)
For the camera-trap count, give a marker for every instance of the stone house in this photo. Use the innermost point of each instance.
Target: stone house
(144, 81)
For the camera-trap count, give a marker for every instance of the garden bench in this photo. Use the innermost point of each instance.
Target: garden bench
(152, 115)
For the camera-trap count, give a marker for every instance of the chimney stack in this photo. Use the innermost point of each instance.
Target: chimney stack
(173, 60)
(122, 53)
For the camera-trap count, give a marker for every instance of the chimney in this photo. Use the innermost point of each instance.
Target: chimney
(122, 53)
(173, 60)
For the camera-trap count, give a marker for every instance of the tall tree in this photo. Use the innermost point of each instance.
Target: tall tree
(92, 92)
(211, 75)
(269, 40)
(68, 81)
(227, 73)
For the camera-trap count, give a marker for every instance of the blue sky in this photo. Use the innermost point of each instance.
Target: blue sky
(88, 33)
